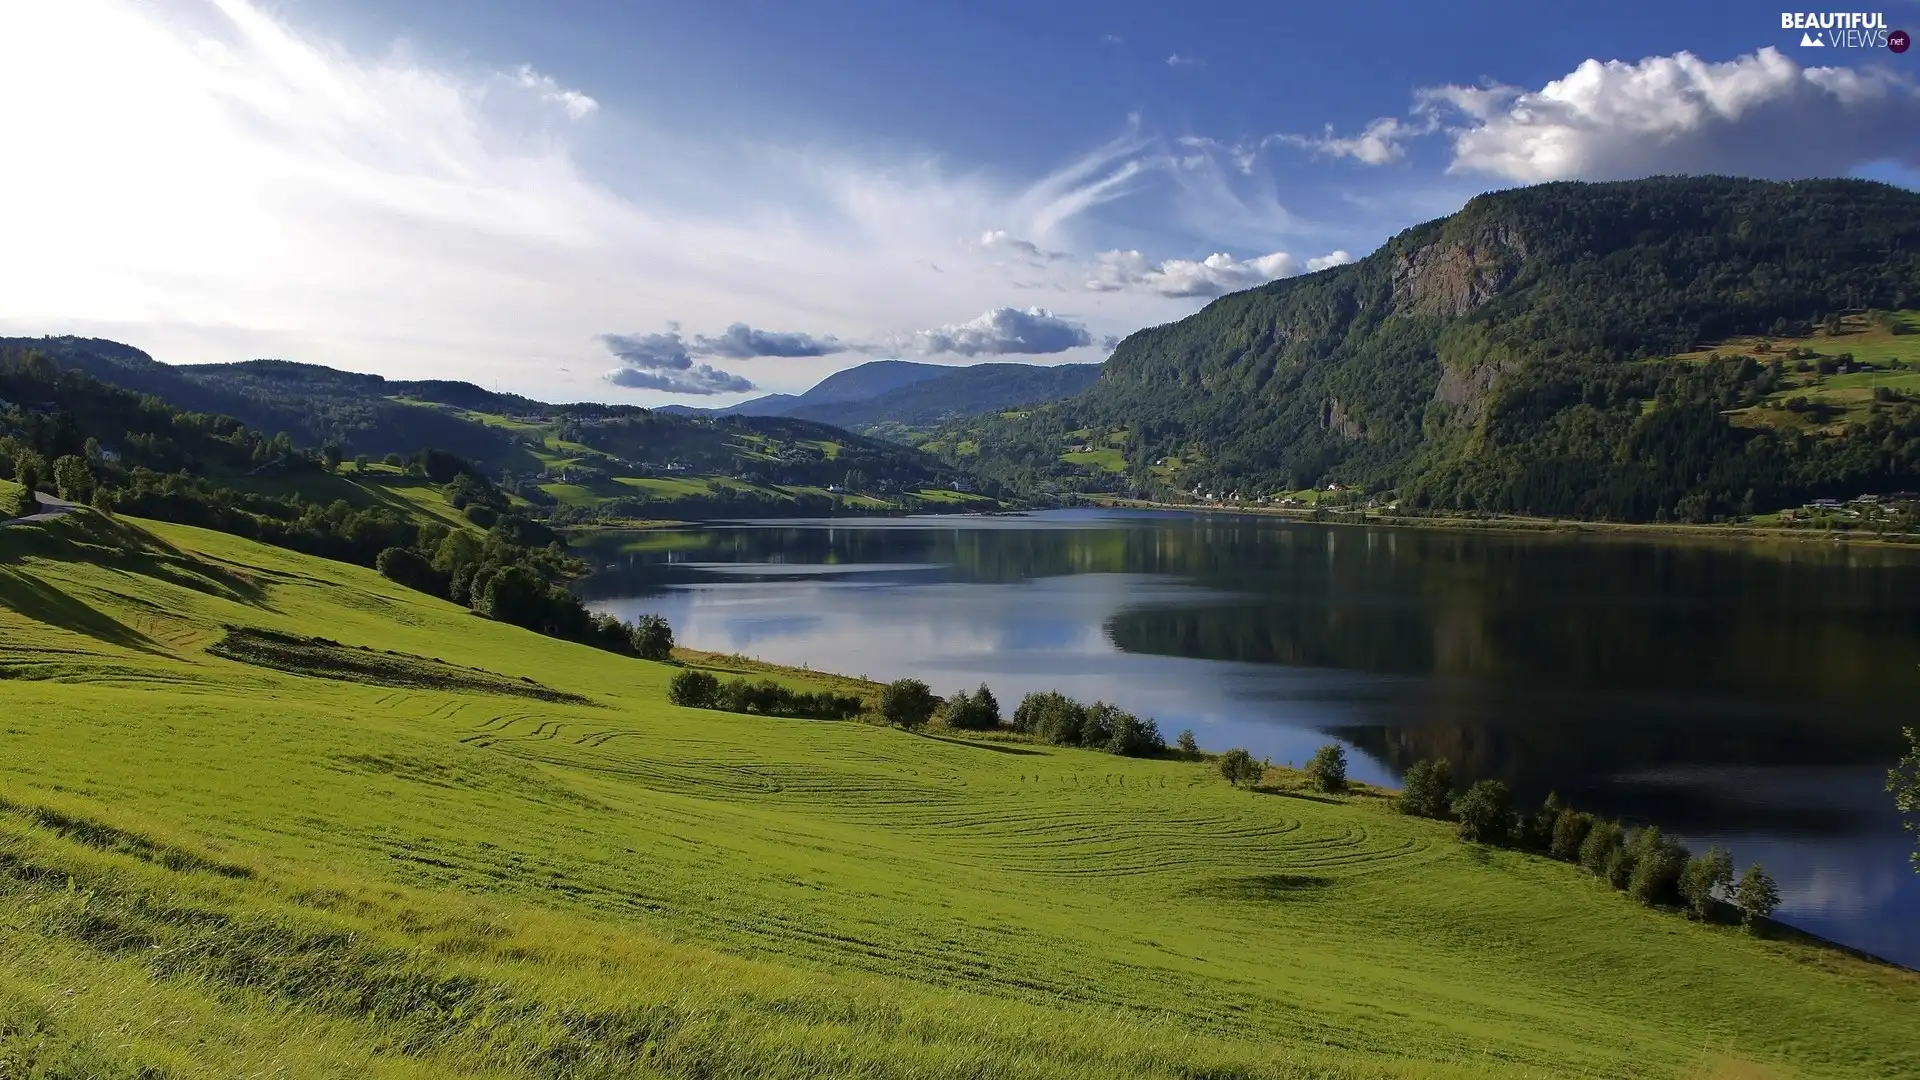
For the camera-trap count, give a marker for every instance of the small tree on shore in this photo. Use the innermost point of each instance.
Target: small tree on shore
(1570, 831)
(1186, 743)
(978, 711)
(1705, 876)
(1756, 896)
(1485, 811)
(1597, 850)
(1903, 781)
(652, 638)
(1239, 767)
(1328, 769)
(907, 703)
(693, 689)
(1427, 789)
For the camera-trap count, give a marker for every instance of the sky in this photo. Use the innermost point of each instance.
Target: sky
(624, 200)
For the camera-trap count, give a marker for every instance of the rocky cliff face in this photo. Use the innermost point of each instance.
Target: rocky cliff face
(1451, 277)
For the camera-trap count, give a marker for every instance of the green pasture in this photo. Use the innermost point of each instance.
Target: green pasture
(216, 867)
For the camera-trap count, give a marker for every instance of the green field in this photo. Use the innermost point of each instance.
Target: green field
(428, 858)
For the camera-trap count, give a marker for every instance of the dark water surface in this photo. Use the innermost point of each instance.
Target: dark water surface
(1749, 695)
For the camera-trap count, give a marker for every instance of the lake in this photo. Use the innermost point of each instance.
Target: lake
(1744, 694)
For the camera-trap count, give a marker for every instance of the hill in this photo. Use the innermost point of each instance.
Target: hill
(1541, 351)
(953, 392)
(578, 462)
(893, 398)
(402, 841)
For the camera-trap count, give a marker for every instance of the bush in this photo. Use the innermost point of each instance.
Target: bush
(978, 711)
(1134, 737)
(407, 567)
(1328, 769)
(1239, 768)
(1187, 743)
(907, 703)
(1485, 811)
(1570, 831)
(1658, 863)
(1051, 716)
(1426, 790)
(1604, 838)
(1704, 876)
(24, 503)
(1539, 831)
(1756, 896)
(651, 638)
(693, 689)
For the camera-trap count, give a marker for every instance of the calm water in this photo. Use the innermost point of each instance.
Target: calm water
(1746, 695)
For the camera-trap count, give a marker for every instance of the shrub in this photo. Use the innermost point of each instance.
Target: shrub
(693, 689)
(1658, 863)
(1239, 768)
(1134, 737)
(1328, 769)
(1570, 831)
(1187, 743)
(1539, 831)
(1704, 876)
(1485, 811)
(407, 567)
(1426, 790)
(978, 711)
(651, 638)
(1596, 851)
(1051, 716)
(1756, 896)
(907, 703)
(72, 479)
(24, 503)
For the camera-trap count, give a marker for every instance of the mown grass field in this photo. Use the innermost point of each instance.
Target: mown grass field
(215, 867)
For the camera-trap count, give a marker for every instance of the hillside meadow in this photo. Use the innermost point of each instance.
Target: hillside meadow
(264, 814)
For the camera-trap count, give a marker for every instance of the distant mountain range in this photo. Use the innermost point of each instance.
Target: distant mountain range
(902, 392)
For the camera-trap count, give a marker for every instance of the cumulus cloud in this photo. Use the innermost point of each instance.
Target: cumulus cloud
(1663, 114)
(1761, 114)
(742, 342)
(1215, 275)
(664, 362)
(1005, 332)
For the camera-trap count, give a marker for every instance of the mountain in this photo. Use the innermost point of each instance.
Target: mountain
(903, 393)
(1546, 350)
(967, 391)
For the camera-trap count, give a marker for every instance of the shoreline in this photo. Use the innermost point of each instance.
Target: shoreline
(1518, 525)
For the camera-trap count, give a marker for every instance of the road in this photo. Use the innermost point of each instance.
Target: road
(50, 508)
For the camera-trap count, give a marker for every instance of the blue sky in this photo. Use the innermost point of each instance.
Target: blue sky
(655, 202)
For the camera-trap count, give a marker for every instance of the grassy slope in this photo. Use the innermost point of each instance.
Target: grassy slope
(681, 893)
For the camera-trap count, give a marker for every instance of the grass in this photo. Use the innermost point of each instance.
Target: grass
(1107, 458)
(219, 867)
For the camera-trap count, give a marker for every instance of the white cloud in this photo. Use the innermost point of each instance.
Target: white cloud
(1761, 114)
(1005, 332)
(1216, 275)
(573, 102)
(1756, 115)
(664, 362)
(1381, 142)
(1179, 61)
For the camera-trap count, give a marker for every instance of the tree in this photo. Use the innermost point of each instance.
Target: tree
(1187, 743)
(1903, 781)
(72, 478)
(1328, 769)
(978, 711)
(907, 703)
(1239, 768)
(1131, 736)
(1705, 876)
(1658, 863)
(693, 689)
(360, 463)
(1485, 811)
(652, 638)
(1604, 838)
(26, 473)
(1540, 827)
(330, 456)
(515, 595)
(1570, 831)
(1426, 790)
(407, 567)
(1756, 896)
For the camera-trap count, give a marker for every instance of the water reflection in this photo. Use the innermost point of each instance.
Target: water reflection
(1749, 694)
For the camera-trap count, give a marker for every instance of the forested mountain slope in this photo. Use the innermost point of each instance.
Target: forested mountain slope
(1525, 354)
